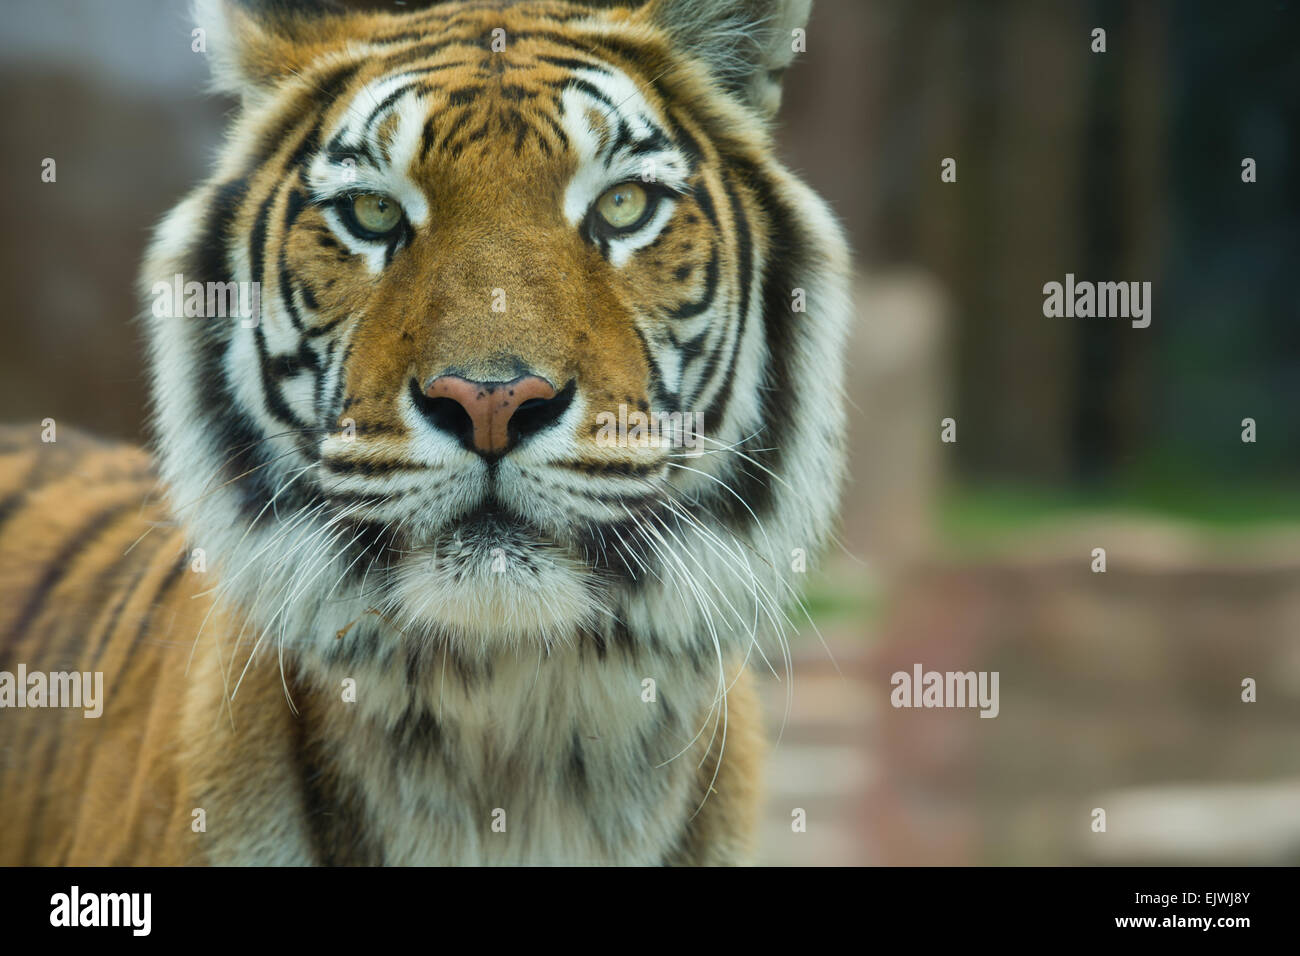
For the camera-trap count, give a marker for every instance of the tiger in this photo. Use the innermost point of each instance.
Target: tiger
(405, 578)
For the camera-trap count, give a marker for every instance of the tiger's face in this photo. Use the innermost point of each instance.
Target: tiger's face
(529, 358)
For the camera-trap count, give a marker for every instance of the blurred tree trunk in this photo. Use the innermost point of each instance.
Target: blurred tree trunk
(1058, 153)
(1121, 206)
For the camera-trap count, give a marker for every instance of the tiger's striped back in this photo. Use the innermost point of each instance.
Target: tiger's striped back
(91, 567)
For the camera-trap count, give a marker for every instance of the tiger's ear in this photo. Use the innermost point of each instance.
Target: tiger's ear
(252, 43)
(747, 44)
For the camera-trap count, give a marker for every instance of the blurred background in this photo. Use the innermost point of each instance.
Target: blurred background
(1120, 690)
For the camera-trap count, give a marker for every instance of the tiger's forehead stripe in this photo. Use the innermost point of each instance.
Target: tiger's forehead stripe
(393, 122)
(516, 94)
(338, 78)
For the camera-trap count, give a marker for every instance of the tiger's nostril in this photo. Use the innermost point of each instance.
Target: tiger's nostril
(491, 417)
(445, 414)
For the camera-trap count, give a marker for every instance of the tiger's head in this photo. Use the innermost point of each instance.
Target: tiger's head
(501, 323)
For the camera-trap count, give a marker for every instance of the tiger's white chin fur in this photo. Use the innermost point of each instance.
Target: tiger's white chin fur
(497, 589)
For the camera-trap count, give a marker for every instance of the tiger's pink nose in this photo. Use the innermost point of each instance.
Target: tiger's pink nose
(491, 416)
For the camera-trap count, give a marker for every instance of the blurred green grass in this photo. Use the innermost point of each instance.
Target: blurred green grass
(976, 521)
(829, 601)
(974, 514)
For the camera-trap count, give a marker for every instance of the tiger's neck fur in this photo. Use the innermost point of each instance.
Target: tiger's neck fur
(545, 760)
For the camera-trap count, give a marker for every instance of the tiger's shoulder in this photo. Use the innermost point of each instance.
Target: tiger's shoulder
(67, 501)
(93, 586)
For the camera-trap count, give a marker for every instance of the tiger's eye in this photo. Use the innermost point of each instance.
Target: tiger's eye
(623, 205)
(376, 213)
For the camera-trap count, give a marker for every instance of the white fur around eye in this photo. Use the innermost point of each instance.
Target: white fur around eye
(373, 251)
(331, 176)
(596, 174)
(621, 248)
